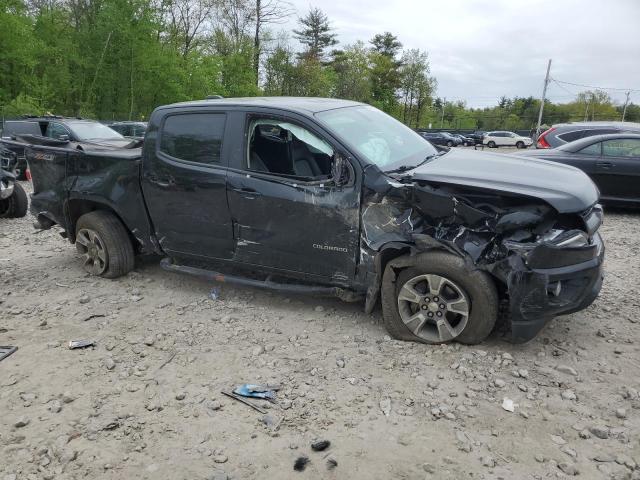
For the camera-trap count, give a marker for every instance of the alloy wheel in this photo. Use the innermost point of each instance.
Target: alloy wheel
(434, 307)
(90, 245)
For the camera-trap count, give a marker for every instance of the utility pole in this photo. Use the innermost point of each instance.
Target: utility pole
(442, 118)
(544, 94)
(626, 102)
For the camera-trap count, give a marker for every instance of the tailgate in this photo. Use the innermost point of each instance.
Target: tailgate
(48, 167)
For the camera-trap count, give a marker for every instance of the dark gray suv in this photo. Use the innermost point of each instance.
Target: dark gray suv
(563, 133)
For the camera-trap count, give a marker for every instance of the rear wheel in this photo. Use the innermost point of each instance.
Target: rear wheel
(492, 144)
(16, 205)
(449, 143)
(104, 243)
(439, 299)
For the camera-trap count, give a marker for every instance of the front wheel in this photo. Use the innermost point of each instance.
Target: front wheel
(104, 244)
(449, 143)
(520, 145)
(439, 299)
(492, 144)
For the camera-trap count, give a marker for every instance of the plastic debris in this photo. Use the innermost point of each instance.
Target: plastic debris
(320, 445)
(214, 294)
(73, 344)
(6, 351)
(242, 400)
(508, 405)
(385, 406)
(256, 391)
(301, 463)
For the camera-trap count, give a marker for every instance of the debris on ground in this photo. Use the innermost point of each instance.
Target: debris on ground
(242, 400)
(73, 344)
(508, 404)
(255, 391)
(301, 463)
(445, 398)
(320, 445)
(6, 351)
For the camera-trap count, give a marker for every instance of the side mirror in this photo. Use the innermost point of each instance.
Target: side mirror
(63, 138)
(340, 171)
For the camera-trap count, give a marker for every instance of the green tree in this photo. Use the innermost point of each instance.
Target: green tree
(353, 73)
(316, 34)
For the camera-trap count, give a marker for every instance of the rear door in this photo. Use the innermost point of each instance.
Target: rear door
(618, 169)
(287, 212)
(184, 182)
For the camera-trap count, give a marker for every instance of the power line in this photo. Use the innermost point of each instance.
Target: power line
(563, 88)
(597, 88)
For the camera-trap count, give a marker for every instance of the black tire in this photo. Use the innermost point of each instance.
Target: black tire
(449, 143)
(519, 145)
(478, 286)
(120, 257)
(16, 205)
(492, 144)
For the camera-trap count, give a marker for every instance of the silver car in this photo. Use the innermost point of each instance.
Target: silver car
(562, 133)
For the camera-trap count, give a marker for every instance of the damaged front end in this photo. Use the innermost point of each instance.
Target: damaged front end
(545, 263)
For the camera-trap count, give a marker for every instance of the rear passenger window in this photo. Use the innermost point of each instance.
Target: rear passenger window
(590, 132)
(571, 136)
(194, 137)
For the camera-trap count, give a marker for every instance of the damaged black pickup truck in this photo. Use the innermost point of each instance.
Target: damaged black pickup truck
(333, 197)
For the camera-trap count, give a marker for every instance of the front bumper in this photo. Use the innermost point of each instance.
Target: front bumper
(536, 295)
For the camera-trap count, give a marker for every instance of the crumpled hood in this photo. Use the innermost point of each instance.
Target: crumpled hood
(565, 188)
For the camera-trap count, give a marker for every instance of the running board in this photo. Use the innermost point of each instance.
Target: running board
(267, 283)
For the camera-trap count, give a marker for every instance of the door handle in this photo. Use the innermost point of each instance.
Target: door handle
(161, 183)
(247, 192)
(604, 165)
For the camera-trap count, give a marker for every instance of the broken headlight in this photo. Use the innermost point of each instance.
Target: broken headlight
(561, 238)
(555, 249)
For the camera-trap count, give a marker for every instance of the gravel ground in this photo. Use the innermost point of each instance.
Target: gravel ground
(145, 402)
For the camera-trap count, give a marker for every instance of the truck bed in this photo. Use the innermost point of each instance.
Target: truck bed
(68, 183)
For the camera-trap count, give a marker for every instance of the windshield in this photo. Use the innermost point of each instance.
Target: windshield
(93, 131)
(377, 137)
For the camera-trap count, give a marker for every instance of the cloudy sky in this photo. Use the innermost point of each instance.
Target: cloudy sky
(482, 49)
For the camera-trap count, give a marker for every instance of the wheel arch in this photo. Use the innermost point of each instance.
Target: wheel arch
(76, 207)
(403, 255)
(389, 252)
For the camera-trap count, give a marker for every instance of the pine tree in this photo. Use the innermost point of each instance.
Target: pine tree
(316, 33)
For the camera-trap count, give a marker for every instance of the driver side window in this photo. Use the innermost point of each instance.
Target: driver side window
(55, 130)
(283, 148)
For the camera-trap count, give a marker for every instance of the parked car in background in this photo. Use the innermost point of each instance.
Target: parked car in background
(466, 141)
(13, 199)
(134, 130)
(74, 133)
(563, 133)
(10, 130)
(612, 161)
(449, 242)
(441, 138)
(477, 136)
(506, 139)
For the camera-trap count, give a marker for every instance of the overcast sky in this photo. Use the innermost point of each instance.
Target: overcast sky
(480, 50)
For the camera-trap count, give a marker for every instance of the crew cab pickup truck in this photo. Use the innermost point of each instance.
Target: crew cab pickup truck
(333, 197)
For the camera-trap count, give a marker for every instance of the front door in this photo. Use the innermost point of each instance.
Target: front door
(184, 183)
(287, 212)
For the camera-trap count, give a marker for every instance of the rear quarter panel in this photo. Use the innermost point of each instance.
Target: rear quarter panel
(64, 178)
